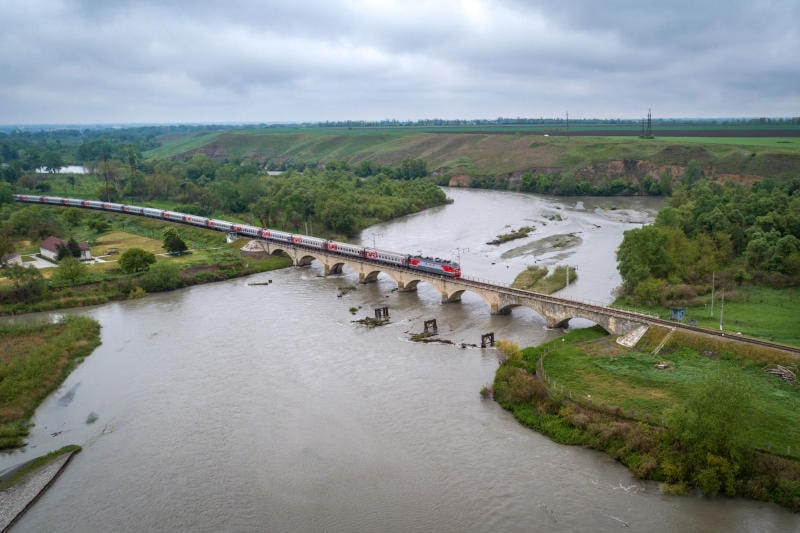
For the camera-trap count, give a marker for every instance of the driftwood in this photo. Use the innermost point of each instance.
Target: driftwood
(782, 372)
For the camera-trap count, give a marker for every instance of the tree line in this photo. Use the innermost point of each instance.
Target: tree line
(734, 233)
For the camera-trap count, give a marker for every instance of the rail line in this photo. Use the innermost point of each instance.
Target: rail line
(299, 243)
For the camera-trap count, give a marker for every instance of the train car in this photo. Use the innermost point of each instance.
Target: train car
(152, 212)
(72, 202)
(195, 220)
(435, 265)
(385, 256)
(309, 241)
(250, 231)
(132, 209)
(52, 200)
(172, 215)
(344, 248)
(110, 206)
(221, 225)
(275, 235)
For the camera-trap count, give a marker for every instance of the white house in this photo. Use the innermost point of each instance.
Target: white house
(49, 248)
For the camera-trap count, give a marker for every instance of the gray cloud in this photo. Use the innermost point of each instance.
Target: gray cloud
(83, 61)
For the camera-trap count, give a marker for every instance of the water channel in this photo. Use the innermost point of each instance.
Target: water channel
(239, 407)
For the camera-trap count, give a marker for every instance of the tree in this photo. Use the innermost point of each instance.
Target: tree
(69, 270)
(98, 224)
(642, 254)
(6, 194)
(23, 277)
(6, 246)
(706, 437)
(173, 242)
(70, 249)
(163, 276)
(136, 260)
(52, 161)
(72, 216)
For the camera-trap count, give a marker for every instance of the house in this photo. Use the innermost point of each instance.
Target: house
(11, 259)
(49, 248)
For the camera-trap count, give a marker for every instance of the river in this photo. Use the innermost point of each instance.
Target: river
(239, 407)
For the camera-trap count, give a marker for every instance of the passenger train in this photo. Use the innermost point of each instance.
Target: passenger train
(432, 265)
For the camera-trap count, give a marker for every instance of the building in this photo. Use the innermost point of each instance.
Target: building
(11, 259)
(49, 248)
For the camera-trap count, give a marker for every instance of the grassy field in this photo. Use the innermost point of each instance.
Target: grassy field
(754, 311)
(490, 152)
(633, 382)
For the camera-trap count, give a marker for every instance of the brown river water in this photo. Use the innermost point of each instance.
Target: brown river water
(239, 407)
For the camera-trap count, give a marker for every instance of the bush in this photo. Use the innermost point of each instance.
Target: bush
(162, 276)
(136, 260)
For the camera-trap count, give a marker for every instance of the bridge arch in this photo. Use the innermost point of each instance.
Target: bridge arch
(556, 312)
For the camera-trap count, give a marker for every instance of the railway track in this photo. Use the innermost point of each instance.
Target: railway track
(621, 313)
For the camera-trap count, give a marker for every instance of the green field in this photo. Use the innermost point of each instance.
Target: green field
(482, 151)
(632, 382)
(754, 311)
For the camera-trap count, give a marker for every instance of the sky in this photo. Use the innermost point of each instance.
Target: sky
(268, 61)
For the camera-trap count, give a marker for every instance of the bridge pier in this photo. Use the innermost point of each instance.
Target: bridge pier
(407, 287)
(332, 269)
(452, 298)
(495, 309)
(368, 277)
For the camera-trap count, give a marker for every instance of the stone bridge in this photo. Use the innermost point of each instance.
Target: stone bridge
(501, 299)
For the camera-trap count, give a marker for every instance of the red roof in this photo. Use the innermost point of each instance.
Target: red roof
(51, 244)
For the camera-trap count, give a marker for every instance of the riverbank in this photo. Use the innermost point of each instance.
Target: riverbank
(656, 409)
(35, 359)
(138, 285)
(21, 486)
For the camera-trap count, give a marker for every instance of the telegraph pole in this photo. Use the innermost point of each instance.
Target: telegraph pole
(712, 295)
(459, 251)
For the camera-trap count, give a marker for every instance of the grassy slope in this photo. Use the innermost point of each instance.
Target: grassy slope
(492, 153)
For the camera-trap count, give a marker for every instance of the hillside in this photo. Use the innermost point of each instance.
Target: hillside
(461, 157)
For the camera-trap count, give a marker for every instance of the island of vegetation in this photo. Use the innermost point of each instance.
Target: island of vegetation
(536, 279)
(520, 233)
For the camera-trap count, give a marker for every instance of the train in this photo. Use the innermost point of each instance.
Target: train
(432, 265)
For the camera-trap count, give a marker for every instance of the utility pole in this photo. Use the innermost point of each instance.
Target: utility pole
(721, 308)
(712, 295)
(458, 252)
(373, 238)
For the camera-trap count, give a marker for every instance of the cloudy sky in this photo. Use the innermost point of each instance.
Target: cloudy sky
(164, 61)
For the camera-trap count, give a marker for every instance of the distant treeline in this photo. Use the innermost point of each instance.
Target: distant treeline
(505, 121)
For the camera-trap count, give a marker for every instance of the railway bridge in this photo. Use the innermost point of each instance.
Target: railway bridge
(500, 299)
